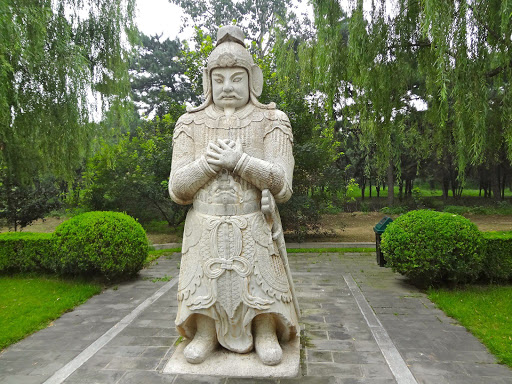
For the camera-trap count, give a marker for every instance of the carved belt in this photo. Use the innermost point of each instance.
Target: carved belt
(226, 209)
(214, 268)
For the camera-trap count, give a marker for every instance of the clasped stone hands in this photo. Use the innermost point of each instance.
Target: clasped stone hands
(224, 154)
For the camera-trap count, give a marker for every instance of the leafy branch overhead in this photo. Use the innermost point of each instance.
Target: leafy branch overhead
(53, 56)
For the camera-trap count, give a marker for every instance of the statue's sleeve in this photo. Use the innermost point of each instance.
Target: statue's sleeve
(275, 171)
(188, 174)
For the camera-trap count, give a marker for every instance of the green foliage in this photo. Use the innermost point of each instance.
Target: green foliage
(196, 60)
(132, 175)
(316, 179)
(433, 247)
(53, 56)
(27, 252)
(109, 244)
(498, 256)
(484, 311)
(29, 303)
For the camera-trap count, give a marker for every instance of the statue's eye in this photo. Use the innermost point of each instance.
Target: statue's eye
(237, 79)
(218, 81)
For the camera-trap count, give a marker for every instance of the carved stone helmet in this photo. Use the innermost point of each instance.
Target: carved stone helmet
(230, 51)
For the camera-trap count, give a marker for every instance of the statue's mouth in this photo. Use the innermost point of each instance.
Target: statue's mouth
(230, 97)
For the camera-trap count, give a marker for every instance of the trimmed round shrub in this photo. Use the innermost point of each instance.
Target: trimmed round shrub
(432, 247)
(110, 244)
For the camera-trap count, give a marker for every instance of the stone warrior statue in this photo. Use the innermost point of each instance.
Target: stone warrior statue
(232, 160)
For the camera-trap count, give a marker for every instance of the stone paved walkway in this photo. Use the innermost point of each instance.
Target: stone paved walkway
(361, 323)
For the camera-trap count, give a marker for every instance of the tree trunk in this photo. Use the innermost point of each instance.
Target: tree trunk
(391, 185)
(503, 183)
(446, 187)
(495, 181)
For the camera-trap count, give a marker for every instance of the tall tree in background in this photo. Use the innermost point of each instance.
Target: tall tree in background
(55, 55)
(259, 18)
(460, 50)
(158, 76)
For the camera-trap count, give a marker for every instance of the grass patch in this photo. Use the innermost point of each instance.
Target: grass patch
(29, 303)
(157, 279)
(329, 250)
(486, 311)
(425, 191)
(156, 254)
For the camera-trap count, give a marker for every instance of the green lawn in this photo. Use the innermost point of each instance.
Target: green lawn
(329, 250)
(156, 254)
(486, 311)
(30, 303)
(425, 192)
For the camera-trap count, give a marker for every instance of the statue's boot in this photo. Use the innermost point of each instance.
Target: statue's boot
(265, 340)
(204, 342)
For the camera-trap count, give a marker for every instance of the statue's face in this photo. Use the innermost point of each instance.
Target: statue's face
(230, 87)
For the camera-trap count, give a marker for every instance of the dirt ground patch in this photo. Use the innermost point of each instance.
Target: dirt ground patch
(345, 227)
(358, 226)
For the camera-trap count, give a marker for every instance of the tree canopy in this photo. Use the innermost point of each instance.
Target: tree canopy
(260, 19)
(158, 75)
(455, 56)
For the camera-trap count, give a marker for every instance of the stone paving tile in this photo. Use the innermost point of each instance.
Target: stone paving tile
(196, 379)
(234, 380)
(95, 377)
(133, 364)
(359, 358)
(335, 369)
(146, 377)
(338, 345)
(311, 380)
(21, 379)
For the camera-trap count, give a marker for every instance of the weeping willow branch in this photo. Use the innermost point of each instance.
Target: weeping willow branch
(498, 70)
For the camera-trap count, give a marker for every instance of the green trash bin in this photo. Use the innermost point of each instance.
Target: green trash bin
(379, 229)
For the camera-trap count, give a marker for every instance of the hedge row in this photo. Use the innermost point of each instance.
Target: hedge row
(107, 244)
(498, 256)
(26, 252)
(433, 248)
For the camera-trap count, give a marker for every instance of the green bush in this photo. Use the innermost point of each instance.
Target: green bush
(433, 247)
(110, 244)
(497, 266)
(27, 252)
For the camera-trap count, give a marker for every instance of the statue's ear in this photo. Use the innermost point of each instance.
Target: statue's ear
(256, 80)
(206, 82)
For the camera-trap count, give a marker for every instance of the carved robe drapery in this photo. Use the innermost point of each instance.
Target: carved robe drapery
(231, 270)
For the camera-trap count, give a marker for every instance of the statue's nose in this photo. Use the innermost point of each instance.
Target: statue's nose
(228, 88)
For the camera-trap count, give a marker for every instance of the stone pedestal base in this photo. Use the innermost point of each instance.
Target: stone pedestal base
(225, 363)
